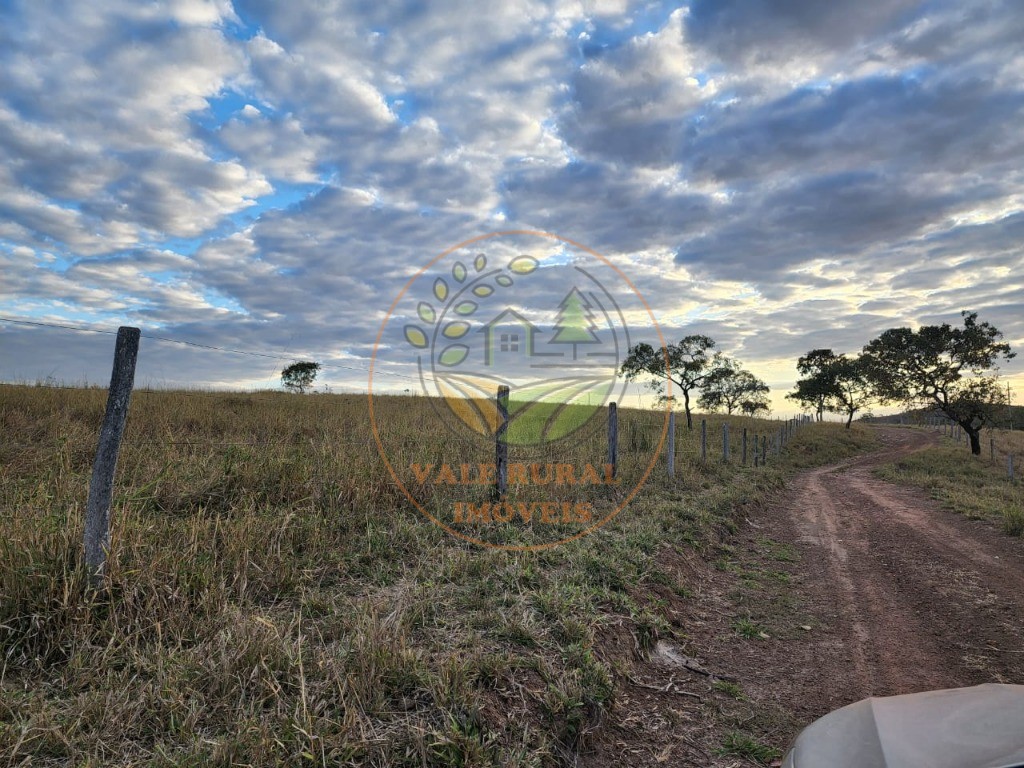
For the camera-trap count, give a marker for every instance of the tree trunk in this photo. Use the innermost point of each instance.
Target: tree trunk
(975, 435)
(849, 419)
(686, 407)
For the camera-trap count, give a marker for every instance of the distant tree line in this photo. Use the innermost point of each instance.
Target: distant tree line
(953, 371)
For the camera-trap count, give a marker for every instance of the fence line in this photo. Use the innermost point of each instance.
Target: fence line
(948, 428)
(120, 390)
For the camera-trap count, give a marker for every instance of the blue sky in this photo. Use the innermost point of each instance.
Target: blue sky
(267, 176)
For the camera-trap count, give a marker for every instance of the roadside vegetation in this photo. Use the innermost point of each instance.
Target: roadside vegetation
(274, 598)
(975, 486)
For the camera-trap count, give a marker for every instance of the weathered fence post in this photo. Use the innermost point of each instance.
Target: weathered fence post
(501, 442)
(97, 509)
(725, 442)
(1009, 466)
(744, 446)
(992, 450)
(671, 444)
(703, 440)
(613, 437)
(764, 450)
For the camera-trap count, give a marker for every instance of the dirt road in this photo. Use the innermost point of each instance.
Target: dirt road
(922, 598)
(847, 586)
(899, 594)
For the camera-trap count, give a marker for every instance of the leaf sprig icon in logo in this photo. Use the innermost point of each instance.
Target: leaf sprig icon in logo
(445, 294)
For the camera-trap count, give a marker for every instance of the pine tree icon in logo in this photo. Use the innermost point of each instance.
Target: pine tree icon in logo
(575, 323)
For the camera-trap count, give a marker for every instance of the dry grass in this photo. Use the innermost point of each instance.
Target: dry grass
(275, 599)
(978, 487)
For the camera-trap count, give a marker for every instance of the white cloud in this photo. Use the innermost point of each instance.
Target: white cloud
(781, 175)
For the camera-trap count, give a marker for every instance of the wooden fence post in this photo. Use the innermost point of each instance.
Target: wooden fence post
(1009, 466)
(501, 442)
(992, 450)
(613, 437)
(725, 442)
(764, 450)
(97, 509)
(671, 444)
(744, 446)
(703, 440)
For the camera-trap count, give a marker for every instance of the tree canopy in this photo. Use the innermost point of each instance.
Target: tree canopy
(834, 383)
(952, 369)
(299, 376)
(733, 388)
(687, 364)
(816, 387)
(853, 389)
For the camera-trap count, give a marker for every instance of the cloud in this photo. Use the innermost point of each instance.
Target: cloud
(268, 176)
(753, 32)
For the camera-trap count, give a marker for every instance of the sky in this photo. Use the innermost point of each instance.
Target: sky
(262, 176)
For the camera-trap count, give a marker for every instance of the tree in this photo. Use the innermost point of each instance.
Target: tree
(954, 370)
(817, 387)
(687, 364)
(755, 405)
(853, 388)
(834, 383)
(729, 386)
(298, 377)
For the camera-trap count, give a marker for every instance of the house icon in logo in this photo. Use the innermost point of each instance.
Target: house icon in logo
(508, 335)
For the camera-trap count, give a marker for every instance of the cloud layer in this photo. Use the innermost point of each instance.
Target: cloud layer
(268, 176)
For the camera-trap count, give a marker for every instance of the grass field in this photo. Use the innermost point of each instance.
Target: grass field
(274, 597)
(978, 487)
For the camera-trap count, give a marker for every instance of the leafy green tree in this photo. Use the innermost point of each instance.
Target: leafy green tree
(298, 377)
(853, 389)
(817, 386)
(834, 383)
(755, 404)
(953, 370)
(729, 386)
(686, 364)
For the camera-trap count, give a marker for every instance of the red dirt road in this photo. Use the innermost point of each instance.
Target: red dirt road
(862, 587)
(926, 598)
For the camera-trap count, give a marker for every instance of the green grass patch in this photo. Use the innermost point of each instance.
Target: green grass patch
(748, 628)
(970, 485)
(743, 745)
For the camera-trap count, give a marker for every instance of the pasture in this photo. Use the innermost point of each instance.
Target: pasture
(274, 597)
